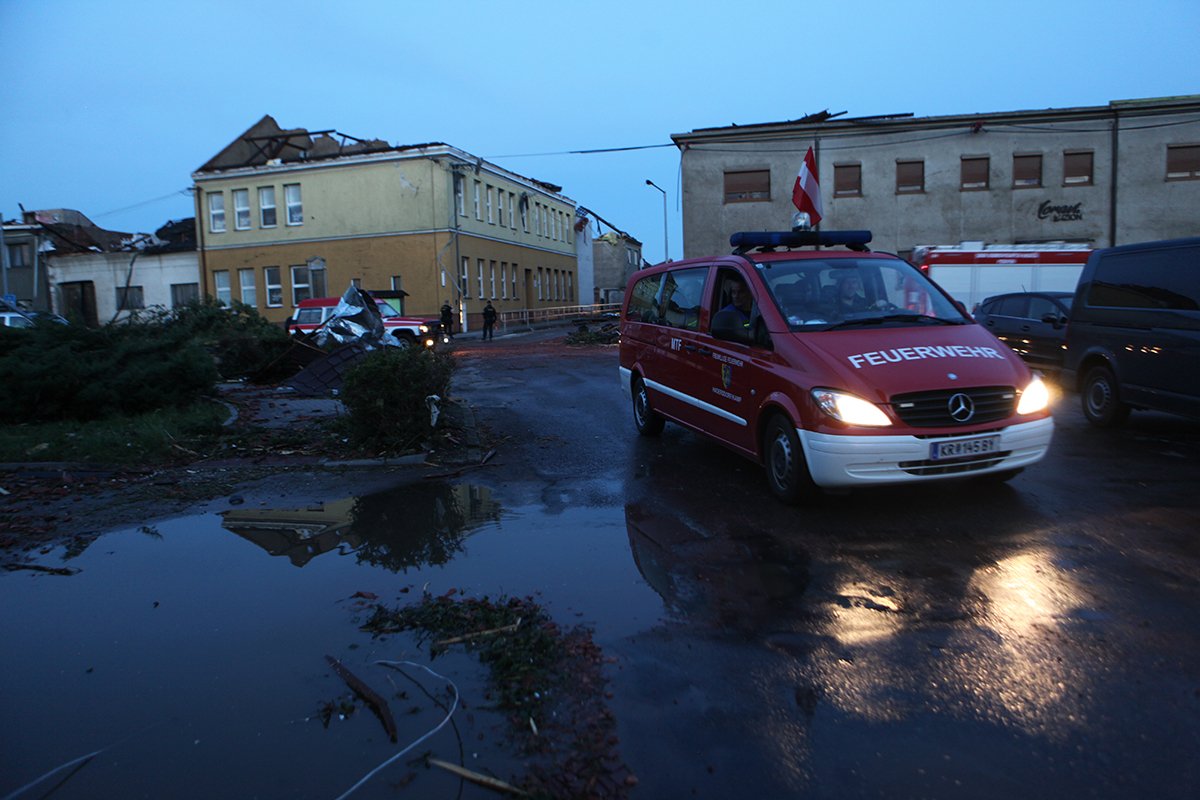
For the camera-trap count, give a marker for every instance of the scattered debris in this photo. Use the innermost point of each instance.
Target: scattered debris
(369, 696)
(11, 567)
(608, 334)
(536, 670)
(475, 777)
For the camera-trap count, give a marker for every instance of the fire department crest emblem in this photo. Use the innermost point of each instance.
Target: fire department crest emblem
(726, 375)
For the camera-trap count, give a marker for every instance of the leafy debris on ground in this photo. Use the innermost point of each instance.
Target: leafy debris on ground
(547, 680)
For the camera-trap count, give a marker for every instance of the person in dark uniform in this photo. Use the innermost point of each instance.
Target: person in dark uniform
(489, 320)
(447, 320)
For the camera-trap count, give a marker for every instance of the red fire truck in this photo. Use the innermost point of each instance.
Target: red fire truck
(973, 271)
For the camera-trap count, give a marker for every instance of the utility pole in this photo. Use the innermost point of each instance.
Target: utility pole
(664, 194)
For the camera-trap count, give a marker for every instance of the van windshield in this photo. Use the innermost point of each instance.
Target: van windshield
(820, 294)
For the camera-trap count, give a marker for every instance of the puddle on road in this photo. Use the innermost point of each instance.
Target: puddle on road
(195, 647)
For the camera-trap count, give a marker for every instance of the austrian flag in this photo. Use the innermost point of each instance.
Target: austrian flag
(806, 194)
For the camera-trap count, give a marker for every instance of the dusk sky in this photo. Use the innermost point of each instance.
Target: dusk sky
(109, 107)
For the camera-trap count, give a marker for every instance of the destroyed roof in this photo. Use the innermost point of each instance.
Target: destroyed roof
(72, 232)
(265, 142)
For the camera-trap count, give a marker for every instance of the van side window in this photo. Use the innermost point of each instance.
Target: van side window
(1161, 279)
(642, 301)
(680, 296)
(722, 294)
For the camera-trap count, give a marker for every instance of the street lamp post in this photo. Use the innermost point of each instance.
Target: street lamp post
(664, 194)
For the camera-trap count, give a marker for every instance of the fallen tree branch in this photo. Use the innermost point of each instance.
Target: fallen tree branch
(377, 703)
(475, 777)
(466, 637)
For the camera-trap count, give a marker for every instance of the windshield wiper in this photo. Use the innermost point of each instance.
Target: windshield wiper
(924, 319)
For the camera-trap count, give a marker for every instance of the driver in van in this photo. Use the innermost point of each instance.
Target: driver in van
(849, 295)
(740, 298)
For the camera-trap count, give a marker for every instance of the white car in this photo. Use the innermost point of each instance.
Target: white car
(15, 319)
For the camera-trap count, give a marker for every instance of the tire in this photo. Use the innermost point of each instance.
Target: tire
(783, 458)
(1101, 404)
(645, 419)
(403, 341)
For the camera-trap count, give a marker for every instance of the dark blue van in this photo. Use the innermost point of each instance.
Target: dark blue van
(1133, 338)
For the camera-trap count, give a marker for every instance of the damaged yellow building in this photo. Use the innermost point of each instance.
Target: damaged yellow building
(284, 215)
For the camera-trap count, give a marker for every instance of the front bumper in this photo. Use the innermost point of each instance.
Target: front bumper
(837, 461)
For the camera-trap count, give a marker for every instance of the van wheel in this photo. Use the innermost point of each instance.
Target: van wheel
(787, 473)
(645, 418)
(1101, 405)
(402, 341)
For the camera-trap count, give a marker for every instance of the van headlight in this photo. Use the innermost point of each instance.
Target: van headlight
(1035, 397)
(424, 328)
(849, 408)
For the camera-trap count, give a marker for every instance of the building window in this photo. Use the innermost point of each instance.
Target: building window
(539, 284)
(479, 275)
(460, 199)
(249, 291)
(974, 173)
(184, 293)
(524, 215)
(514, 282)
(512, 221)
(216, 212)
(266, 206)
(570, 288)
(241, 209)
(129, 298)
(308, 280)
(19, 256)
(221, 285)
(1183, 162)
(1027, 171)
(910, 177)
(478, 212)
(491, 194)
(398, 287)
(503, 280)
(464, 280)
(274, 287)
(750, 186)
(847, 180)
(492, 279)
(301, 288)
(295, 208)
(500, 207)
(1077, 168)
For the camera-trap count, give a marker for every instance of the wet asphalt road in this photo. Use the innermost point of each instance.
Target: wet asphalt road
(1038, 639)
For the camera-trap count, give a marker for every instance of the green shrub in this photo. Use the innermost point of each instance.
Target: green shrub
(242, 342)
(385, 393)
(69, 372)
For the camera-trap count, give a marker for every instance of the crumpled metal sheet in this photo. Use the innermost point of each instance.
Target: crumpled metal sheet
(356, 319)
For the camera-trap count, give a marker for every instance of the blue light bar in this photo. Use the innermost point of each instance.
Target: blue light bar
(745, 241)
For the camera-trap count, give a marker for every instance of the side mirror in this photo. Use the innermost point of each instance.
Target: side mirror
(1054, 319)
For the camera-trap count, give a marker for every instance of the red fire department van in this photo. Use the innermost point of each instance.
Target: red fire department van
(973, 271)
(834, 368)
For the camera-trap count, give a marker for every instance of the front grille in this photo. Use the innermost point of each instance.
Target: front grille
(971, 464)
(932, 409)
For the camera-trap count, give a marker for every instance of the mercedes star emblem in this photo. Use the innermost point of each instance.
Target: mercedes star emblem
(961, 407)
